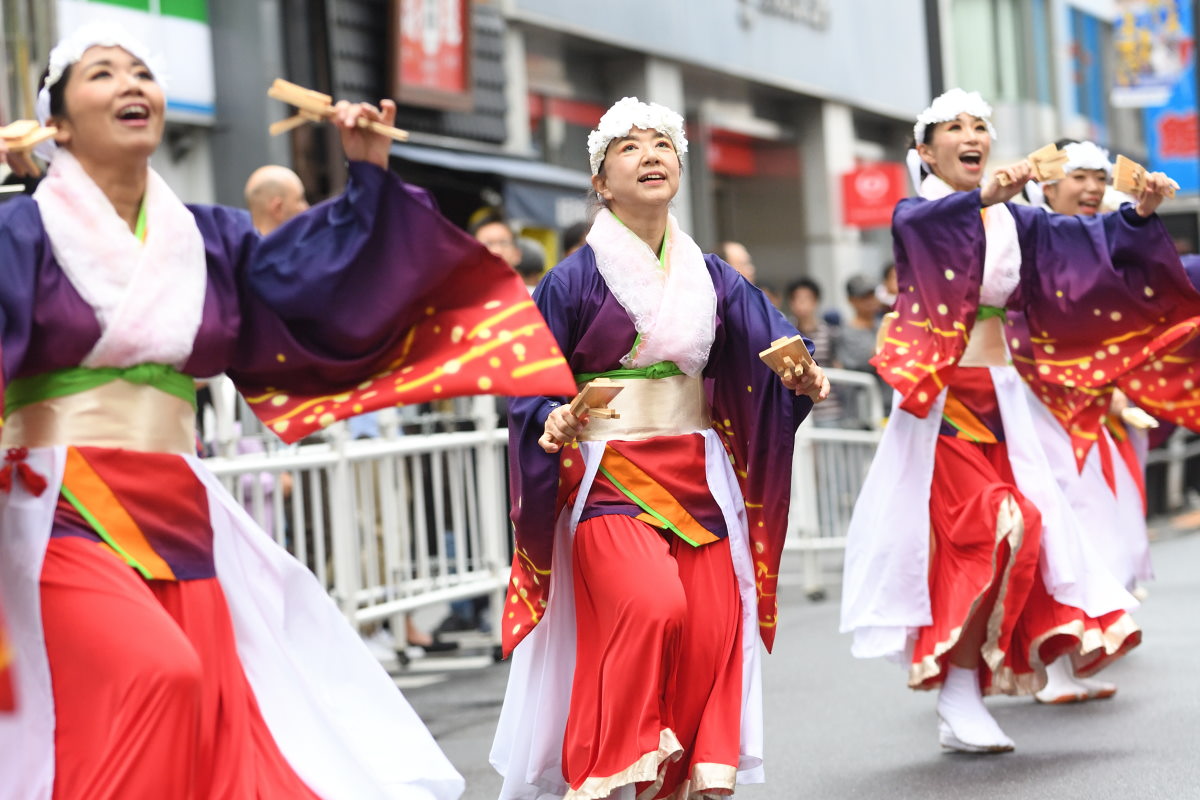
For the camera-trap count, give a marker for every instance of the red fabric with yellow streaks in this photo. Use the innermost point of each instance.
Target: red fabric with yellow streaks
(482, 336)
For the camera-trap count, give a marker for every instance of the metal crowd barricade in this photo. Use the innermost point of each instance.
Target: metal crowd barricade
(389, 524)
(400, 522)
(828, 470)
(396, 523)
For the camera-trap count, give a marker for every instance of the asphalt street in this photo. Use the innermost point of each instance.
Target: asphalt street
(838, 728)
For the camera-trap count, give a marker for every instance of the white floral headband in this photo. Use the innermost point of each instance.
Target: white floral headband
(629, 113)
(72, 47)
(948, 106)
(1085, 155)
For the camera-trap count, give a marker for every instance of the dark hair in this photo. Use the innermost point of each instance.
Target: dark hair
(804, 283)
(58, 101)
(574, 235)
(533, 257)
(1063, 142)
(488, 219)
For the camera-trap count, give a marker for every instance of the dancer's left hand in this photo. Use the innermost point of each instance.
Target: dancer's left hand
(1158, 186)
(361, 143)
(811, 381)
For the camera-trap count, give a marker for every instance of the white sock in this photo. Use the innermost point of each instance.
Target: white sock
(960, 705)
(1061, 685)
(1094, 687)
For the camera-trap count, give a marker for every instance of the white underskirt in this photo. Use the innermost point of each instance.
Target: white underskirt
(336, 715)
(885, 589)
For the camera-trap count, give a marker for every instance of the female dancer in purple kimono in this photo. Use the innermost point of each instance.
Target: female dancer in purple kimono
(1108, 493)
(645, 543)
(164, 646)
(964, 559)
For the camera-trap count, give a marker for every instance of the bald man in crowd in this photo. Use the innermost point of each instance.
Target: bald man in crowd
(274, 194)
(737, 256)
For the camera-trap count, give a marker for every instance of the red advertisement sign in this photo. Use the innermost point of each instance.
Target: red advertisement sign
(870, 192)
(1178, 135)
(432, 53)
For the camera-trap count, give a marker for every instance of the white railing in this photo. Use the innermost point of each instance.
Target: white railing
(393, 524)
(1179, 449)
(829, 466)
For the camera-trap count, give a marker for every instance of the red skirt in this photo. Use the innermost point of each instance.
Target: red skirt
(150, 697)
(985, 542)
(657, 693)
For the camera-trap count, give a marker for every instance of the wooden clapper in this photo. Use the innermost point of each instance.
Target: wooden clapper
(594, 397)
(1130, 177)
(20, 138)
(786, 355)
(1047, 165)
(316, 107)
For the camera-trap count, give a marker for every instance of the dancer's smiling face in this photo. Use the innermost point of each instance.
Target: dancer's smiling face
(1080, 192)
(957, 151)
(111, 103)
(640, 169)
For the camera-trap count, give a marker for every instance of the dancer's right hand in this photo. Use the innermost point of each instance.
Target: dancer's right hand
(1014, 178)
(561, 427)
(21, 164)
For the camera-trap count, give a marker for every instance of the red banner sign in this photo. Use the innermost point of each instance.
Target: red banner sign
(1178, 135)
(870, 192)
(431, 62)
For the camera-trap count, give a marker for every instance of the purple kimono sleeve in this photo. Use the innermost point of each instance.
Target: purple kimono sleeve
(22, 249)
(1103, 300)
(534, 473)
(323, 296)
(757, 418)
(939, 250)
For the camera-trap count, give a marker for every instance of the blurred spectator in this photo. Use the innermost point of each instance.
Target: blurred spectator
(497, 236)
(574, 237)
(854, 345)
(274, 194)
(532, 265)
(804, 311)
(737, 256)
(888, 289)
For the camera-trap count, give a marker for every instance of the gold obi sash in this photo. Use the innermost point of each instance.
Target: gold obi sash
(653, 407)
(117, 414)
(985, 344)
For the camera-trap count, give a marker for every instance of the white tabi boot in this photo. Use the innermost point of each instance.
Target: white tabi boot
(964, 723)
(1061, 685)
(1094, 689)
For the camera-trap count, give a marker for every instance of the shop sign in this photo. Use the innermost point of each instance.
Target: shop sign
(813, 13)
(431, 55)
(176, 30)
(870, 193)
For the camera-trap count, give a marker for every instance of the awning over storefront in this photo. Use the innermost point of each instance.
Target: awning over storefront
(537, 193)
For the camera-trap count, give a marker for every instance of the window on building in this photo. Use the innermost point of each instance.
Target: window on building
(1091, 41)
(1002, 48)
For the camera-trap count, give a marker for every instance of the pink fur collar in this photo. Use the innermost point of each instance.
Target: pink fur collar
(148, 297)
(673, 310)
